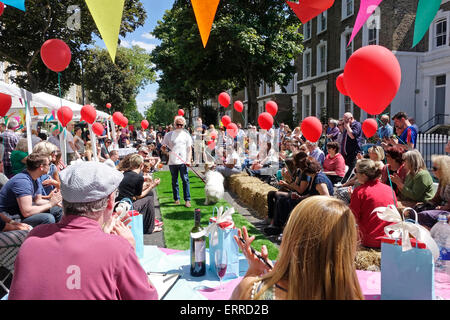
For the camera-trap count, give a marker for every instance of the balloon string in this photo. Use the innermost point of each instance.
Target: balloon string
(388, 174)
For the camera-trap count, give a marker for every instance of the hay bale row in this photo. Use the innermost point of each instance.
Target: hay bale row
(251, 191)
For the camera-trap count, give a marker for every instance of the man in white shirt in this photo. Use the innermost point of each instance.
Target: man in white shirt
(179, 145)
(70, 146)
(199, 143)
(54, 138)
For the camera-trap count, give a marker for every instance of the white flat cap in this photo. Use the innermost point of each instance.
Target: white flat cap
(88, 181)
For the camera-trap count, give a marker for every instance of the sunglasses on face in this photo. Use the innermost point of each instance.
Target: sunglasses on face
(435, 168)
(179, 125)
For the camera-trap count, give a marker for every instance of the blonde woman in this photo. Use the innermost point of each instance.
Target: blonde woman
(418, 184)
(316, 259)
(132, 187)
(50, 181)
(440, 204)
(19, 156)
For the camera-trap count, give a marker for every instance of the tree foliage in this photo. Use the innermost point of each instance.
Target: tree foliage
(161, 112)
(117, 83)
(23, 33)
(251, 41)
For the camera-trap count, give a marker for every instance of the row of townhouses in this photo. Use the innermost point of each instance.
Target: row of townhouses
(425, 88)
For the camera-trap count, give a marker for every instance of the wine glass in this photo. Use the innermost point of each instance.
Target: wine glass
(221, 264)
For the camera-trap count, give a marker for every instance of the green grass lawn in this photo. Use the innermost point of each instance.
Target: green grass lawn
(179, 220)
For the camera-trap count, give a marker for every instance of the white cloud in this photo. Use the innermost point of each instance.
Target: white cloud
(125, 44)
(144, 45)
(146, 101)
(148, 36)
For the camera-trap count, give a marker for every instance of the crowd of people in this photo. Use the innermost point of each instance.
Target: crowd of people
(326, 193)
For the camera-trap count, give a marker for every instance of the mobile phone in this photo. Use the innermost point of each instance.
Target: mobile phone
(257, 254)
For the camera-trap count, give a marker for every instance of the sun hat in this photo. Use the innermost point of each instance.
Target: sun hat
(88, 181)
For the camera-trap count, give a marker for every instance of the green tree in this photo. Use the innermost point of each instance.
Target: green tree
(23, 33)
(250, 41)
(161, 112)
(117, 83)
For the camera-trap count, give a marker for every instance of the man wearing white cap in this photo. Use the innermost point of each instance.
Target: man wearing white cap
(89, 254)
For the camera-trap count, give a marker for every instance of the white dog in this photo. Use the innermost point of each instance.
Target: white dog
(214, 189)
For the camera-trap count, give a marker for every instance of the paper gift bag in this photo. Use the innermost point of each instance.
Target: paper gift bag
(221, 231)
(137, 228)
(406, 275)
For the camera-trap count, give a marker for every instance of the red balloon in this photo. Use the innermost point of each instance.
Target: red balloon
(5, 104)
(98, 128)
(117, 117)
(224, 99)
(341, 85)
(88, 113)
(181, 112)
(226, 120)
(272, 108)
(232, 130)
(265, 120)
(108, 105)
(238, 106)
(2, 8)
(56, 55)
(372, 78)
(311, 129)
(370, 127)
(124, 122)
(211, 145)
(65, 115)
(144, 124)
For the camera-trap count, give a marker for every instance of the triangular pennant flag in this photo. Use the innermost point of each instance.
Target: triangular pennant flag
(306, 10)
(52, 118)
(366, 8)
(35, 112)
(205, 11)
(19, 4)
(107, 15)
(45, 119)
(426, 11)
(45, 110)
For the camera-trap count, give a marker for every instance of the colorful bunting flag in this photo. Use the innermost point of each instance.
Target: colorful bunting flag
(19, 4)
(205, 11)
(426, 11)
(35, 112)
(45, 110)
(107, 15)
(306, 10)
(366, 8)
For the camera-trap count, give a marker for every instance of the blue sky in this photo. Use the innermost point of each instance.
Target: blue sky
(142, 38)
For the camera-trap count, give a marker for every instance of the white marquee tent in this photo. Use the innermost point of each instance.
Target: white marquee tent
(44, 103)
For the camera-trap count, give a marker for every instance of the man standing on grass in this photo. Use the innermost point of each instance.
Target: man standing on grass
(178, 143)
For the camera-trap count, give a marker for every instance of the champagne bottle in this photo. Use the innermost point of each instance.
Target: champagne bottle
(198, 247)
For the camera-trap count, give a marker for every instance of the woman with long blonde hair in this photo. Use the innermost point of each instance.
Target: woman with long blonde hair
(316, 259)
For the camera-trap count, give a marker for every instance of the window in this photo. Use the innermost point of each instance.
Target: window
(373, 36)
(322, 22)
(307, 105)
(307, 30)
(307, 64)
(349, 48)
(348, 104)
(347, 8)
(322, 58)
(440, 37)
(320, 104)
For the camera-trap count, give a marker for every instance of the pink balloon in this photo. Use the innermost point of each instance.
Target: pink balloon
(265, 120)
(341, 85)
(272, 108)
(311, 129)
(238, 106)
(232, 130)
(224, 99)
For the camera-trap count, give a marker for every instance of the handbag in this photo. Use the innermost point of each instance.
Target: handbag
(407, 264)
(221, 236)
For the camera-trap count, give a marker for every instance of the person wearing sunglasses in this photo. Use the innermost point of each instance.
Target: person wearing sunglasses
(178, 144)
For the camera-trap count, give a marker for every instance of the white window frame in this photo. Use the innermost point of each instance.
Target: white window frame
(307, 52)
(348, 31)
(319, 22)
(309, 23)
(444, 35)
(432, 31)
(306, 94)
(376, 16)
(322, 44)
(345, 13)
(320, 87)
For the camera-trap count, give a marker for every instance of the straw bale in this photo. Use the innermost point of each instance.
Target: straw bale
(368, 259)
